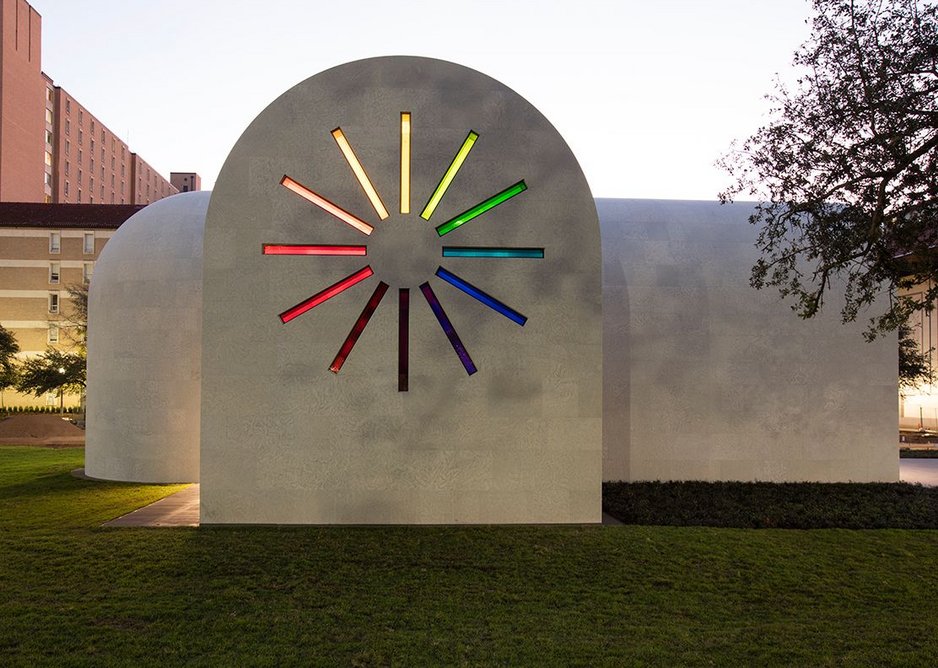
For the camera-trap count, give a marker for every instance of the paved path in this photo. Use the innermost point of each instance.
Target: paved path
(924, 471)
(176, 510)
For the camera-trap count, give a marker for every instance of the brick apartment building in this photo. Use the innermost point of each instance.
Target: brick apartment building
(185, 182)
(52, 149)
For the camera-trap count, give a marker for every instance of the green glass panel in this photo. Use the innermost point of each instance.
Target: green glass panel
(481, 208)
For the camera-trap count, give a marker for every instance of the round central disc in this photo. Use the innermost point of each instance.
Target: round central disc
(404, 250)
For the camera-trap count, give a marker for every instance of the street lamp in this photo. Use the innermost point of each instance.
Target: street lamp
(62, 393)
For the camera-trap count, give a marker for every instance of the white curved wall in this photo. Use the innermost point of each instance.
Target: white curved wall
(144, 346)
(705, 378)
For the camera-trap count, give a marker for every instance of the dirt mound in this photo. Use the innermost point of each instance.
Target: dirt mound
(40, 430)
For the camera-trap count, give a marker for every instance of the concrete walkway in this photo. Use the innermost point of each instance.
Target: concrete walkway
(922, 471)
(176, 510)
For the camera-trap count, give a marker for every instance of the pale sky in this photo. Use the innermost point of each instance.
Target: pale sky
(648, 93)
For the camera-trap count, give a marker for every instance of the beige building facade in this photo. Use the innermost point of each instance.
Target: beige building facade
(44, 250)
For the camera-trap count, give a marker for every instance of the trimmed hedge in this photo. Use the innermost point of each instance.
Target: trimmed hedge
(16, 410)
(778, 505)
(909, 453)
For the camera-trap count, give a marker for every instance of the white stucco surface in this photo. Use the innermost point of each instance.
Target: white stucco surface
(144, 346)
(708, 379)
(518, 441)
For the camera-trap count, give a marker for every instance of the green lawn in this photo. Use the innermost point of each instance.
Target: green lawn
(72, 593)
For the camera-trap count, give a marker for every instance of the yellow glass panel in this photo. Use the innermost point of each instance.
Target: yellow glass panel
(405, 162)
(360, 174)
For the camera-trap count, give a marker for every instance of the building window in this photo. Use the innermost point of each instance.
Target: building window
(48, 179)
(66, 188)
(53, 302)
(88, 245)
(68, 147)
(102, 191)
(91, 183)
(48, 94)
(79, 155)
(55, 242)
(92, 142)
(66, 167)
(68, 106)
(185, 189)
(49, 137)
(86, 271)
(81, 135)
(91, 163)
(79, 178)
(54, 269)
(81, 115)
(48, 159)
(67, 126)
(49, 116)
(79, 195)
(53, 333)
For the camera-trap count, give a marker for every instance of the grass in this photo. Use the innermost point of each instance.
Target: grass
(77, 594)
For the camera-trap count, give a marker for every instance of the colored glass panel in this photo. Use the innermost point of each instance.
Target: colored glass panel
(359, 172)
(358, 327)
(300, 249)
(482, 296)
(403, 339)
(448, 329)
(449, 175)
(328, 293)
(492, 251)
(405, 162)
(481, 208)
(326, 205)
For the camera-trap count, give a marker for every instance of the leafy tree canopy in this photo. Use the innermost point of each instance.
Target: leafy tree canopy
(914, 365)
(76, 317)
(8, 349)
(847, 167)
(51, 371)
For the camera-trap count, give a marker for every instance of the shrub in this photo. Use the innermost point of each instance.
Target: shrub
(782, 505)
